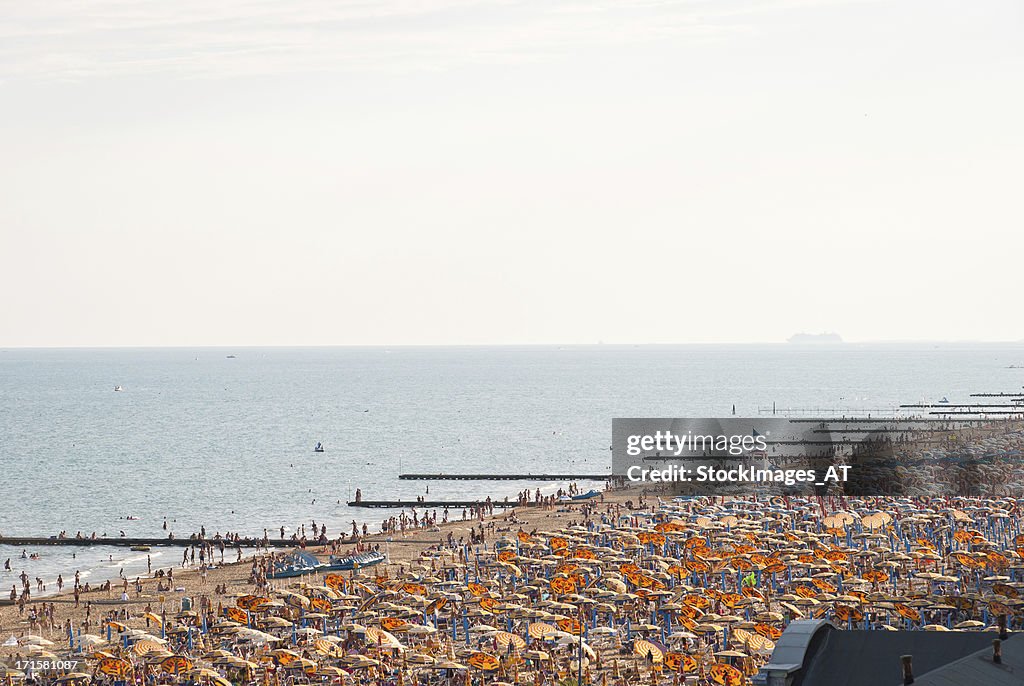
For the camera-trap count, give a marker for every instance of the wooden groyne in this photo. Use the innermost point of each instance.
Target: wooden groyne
(505, 477)
(883, 420)
(431, 503)
(959, 405)
(1019, 412)
(26, 541)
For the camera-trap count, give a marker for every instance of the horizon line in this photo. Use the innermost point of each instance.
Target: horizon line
(597, 344)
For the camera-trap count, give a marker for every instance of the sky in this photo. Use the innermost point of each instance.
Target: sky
(414, 172)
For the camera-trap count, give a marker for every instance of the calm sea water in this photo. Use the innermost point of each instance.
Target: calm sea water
(202, 439)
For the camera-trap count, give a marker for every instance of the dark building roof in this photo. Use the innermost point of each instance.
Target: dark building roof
(978, 668)
(815, 653)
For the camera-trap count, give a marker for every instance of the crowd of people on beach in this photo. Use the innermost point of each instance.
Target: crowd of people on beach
(641, 587)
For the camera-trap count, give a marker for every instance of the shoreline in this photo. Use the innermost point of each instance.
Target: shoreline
(248, 542)
(402, 551)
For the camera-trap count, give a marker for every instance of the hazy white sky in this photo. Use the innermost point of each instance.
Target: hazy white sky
(509, 171)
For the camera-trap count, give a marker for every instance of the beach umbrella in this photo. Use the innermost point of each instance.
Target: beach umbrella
(354, 628)
(176, 664)
(146, 646)
(275, 622)
(328, 648)
(203, 673)
(420, 659)
(540, 629)
(374, 635)
(447, 664)
(359, 662)
(420, 629)
(251, 602)
(648, 651)
(680, 662)
(504, 638)
(484, 661)
(329, 671)
(10, 673)
(726, 675)
(285, 656)
(89, 640)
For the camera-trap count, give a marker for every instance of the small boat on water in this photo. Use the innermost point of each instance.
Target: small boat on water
(118, 388)
(319, 448)
(358, 561)
(140, 548)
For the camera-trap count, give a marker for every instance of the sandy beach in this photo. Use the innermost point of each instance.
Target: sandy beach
(627, 586)
(403, 549)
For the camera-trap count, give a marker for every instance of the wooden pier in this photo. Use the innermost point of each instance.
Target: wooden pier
(424, 504)
(505, 477)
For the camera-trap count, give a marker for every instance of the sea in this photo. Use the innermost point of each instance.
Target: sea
(223, 438)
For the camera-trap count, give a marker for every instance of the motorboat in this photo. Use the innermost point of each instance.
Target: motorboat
(358, 561)
(296, 564)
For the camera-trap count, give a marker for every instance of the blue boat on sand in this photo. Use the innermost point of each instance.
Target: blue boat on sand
(300, 563)
(296, 564)
(358, 561)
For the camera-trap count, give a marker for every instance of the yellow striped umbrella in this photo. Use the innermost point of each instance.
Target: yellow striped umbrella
(328, 648)
(249, 602)
(237, 615)
(285, 656)
(145, 647)
(644, 648)
(484, 662)
(114, 666)
(540, 629)
(504, 638)
(176, 664)
(375, 635)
